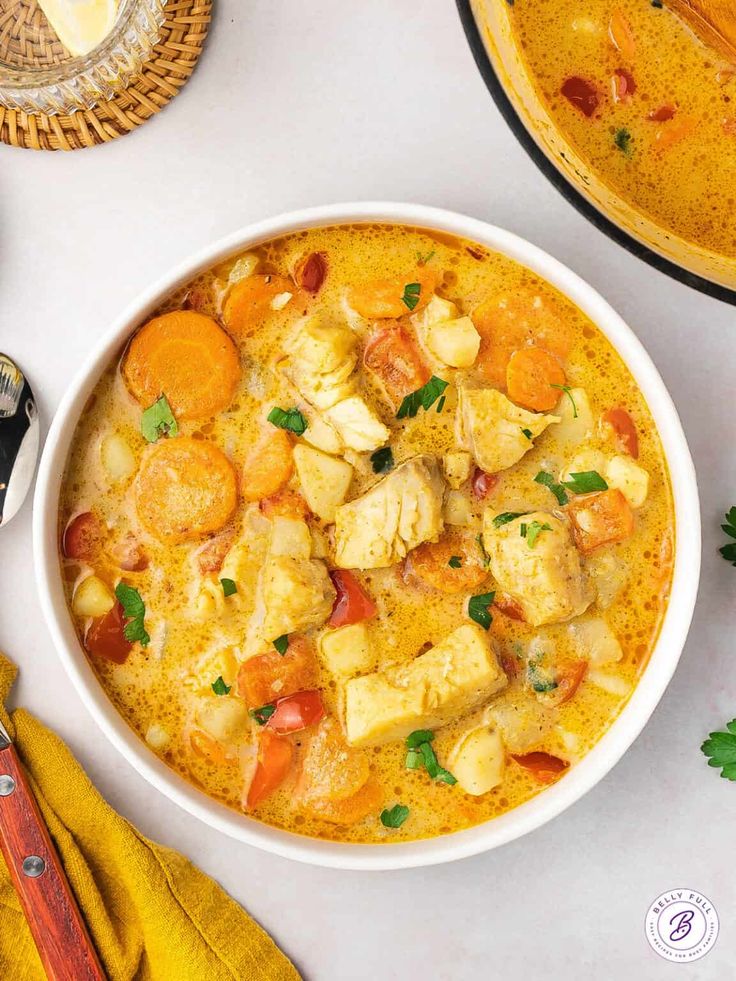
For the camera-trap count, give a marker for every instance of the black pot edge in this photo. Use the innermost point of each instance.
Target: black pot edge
(559, 181)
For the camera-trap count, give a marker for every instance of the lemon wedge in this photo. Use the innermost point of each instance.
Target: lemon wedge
(80, 25)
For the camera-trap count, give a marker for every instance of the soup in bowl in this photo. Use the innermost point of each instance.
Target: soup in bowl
(367, 531)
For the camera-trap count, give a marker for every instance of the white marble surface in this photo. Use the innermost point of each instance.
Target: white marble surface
(294, 105)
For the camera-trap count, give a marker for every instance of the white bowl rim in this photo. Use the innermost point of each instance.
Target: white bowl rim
(461, 844)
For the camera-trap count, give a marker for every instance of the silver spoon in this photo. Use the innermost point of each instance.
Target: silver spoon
(19, 438)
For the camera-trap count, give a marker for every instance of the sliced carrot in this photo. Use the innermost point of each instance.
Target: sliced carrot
(674, 132)
(430, 563)
(264, 678)
(621, 34)
(186, 357)
(331, 769)
(285, 503)
(381, 299)
(534, 378)
(545, 767)
(349, 810)
(600, 519)
(624, 430)
(393, 356)
(185, 488)
(268, 466)
(208, 748)
(250, 301)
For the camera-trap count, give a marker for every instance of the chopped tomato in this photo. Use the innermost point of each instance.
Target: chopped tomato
(208, 748)
(568, 675)
(267, 676)
(268, 466)
(353, 604)
(130, 555)
(623, 85)
(382, 299)
(510, 665)
(675, 132)
(661, 114)
(275, 756)
(395, 359)
(451, 565)
(285, 503)
(310, 272)
(600, 519)
(581, 93)
(212, 554)
(545, 767)
(483, 483)
(106, 638)
(534, 378)
(508, 606)
(627, 438)
(296, 712)
(621, 34)
(83, 538)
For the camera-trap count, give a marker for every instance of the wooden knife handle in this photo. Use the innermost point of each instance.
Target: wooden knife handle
(60, 934)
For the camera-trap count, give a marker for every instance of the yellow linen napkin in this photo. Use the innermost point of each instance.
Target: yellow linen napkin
(151, 913)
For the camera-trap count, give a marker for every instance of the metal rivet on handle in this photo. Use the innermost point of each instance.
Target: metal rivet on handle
(33, 866)
(7, 785)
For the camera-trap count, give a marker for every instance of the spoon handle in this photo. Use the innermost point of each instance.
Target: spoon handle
(60, 934)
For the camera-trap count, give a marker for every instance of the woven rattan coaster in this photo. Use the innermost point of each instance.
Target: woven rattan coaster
(174, 59)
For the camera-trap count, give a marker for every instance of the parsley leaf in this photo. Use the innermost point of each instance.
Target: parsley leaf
(158, 420)
(220, 688)
(527, 433)
(622, 139)
(432, 766)
(729, 551)
(441, 404)
(547, 480)
(505, 517)
(135, 611)
(584, 483)
(282, 644)
(228, 587)
(422, 260)
(394, 817)
(455, 562)
(419, 736)
(290, 419)
(411, 295)
(568, 391)
(420, 752)
(720, 748)
(413, 760)
(533, 531)
(382, 460)
(478, 609)
(484, 554)
(262, 714)
(423, 398)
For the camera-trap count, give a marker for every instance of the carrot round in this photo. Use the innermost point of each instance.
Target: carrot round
(533, 378)
(389, 298)
(186, 357)
(268, 466)
(250, 301)
(185, 488)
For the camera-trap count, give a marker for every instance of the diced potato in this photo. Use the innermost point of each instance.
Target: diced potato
(117, 457)
(457, 509)
(244, 267)
(457, 468)
(223, 717)
(321, 435)
(447, 681)
(595, 640)
(436, 311)
(157, 737)
(454, 342)
(607, 575)
(574, 429)
(358, 425)
(614, 684)
(325, 480)
(290, 536)
(628, 477)
(346, 651)
(477, 761)
(585, 461)
(570, 740)
(92, 598)
(522, 722)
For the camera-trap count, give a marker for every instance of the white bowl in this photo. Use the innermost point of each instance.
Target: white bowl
(579, 778)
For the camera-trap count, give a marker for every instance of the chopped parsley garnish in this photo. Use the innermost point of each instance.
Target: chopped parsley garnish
(419, 736)
(720, 748)
(622, 139)
(228, 587)
(382, 460)
(394, 817)
(522, 530)
(411, 295)
(532, 531)
(422, 260)
(729, 551)
(220, 688)
(262, 714)
(158, 420)
(540, 681)
(547, 480)
(441, 404)
(568, 391)
(486, 557)
(586, 482)
(455, 562)
(289, 419)
(527, 433)
(413, 759)
(420, 753)
(135, 611)
(423, 398)
(505, 517)
(478, 609)
(282, 644)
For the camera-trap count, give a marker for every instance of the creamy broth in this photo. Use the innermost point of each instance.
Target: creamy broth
(555, 687)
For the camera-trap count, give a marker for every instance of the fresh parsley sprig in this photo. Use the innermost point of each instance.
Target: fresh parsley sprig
(290, 419)
(505, 517)
(262, 714)
(220, 688)
(282, 644)
(135, 612)
(158, 420)
(411, 295)
(532, 531)
(585, 482)
(478, 609)
(720, 748)
(420, 753)
(382, 460)
(455, 562)
(568, 391)
(423, 398)
(395, 816)
(229, 587)
(729, 551)
(547, 480)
